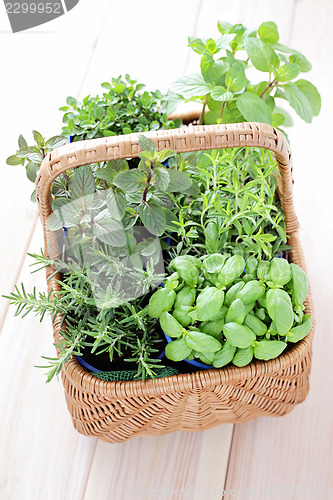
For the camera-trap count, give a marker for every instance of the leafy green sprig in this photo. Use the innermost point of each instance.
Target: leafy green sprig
(124, 108)
(223, 85)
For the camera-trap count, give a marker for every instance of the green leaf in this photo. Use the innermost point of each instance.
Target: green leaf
(38, 138)
(111, 232)
(162, 178)
(243, 356)
(287, 72)
(312, 95)
(131, 180)
(153, 217)
(221, 94)
(22, 143)
(116, 203)
(300, 287)
(224, 355)
(298, 101)
(179, 181)
(268, 32)
(224, 27)
(202, 342)
(55, 142)
(280, 272)
(262, 55)
(235, 77)
(13, 160)
(209, 303)
(31, 170)
(170, 325)
(276, 118)
(177, 350)
(165, 154)
(301, 331)
(197, 44)
(280, 311)
(302, 62)
(147, 144)
(31, 153)
(253, 108)
(239, 335)
(191, 86)
(224, 41)
(211, 70)
(269, 349)
(83, 182)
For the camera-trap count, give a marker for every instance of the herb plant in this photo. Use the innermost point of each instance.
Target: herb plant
(214, 311)
(123, 108)
(235, 208)
(223, 85)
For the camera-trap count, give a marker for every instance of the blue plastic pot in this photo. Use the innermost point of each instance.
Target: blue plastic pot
(192, 362)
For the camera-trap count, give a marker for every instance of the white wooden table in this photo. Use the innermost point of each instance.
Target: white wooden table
(42, 457)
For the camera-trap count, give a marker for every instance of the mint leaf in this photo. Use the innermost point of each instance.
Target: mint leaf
(220, 93)
(162, 178)
(287, 72)
(312, 95)
(131, 180)
(298, 101)
(179, 181)
(191, 86)
(253, 108)
(268, 32)
(261, 54)
(83, 182)
(147, 144)
(302, 62)
(153, 217)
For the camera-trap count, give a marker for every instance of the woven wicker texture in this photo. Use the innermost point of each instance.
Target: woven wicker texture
(116, 411)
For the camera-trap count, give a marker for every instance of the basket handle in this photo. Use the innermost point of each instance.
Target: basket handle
(192, 138)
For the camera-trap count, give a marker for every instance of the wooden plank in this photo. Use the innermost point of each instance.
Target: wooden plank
(147, 40)
(292, 457)
(32, 102)
(193, 463)
(41, 454)
(187, 465)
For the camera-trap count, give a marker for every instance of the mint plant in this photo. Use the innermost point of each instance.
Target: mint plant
(223, 85)
(221, 314)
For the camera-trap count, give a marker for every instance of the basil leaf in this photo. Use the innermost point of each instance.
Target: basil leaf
(280, 311)
(253, 108)
(209, 303)
(170, 325)
(300, 287)
(236, 312)
(177, 350)
(224, 355)
(269, 349)
(153, 217)
(232, 269)
(213, 263)
(280, 272)
(298, 333)
(251, 291)
(254, 323)
(201, 342)
(238, 335)
(243, 356)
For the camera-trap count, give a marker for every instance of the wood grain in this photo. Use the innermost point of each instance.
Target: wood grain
(294, 454)
(41, 455)
(187, 465)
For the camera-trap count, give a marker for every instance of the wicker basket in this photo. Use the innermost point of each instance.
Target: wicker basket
(116, 411)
